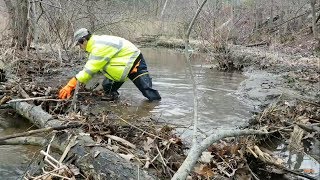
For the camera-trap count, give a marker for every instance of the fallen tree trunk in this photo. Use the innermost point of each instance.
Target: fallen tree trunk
(94, 162)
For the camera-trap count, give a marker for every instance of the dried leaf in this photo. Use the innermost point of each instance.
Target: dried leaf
(166, 144)
(147, 145)
(206, 157)
(98, 138)
(127, 157)
(113, 148)
(204, 170)
(74, 169)
(302, 119)
(234, 149)
(295, 139)
(308, 171)
(148, 162)
(175, 140)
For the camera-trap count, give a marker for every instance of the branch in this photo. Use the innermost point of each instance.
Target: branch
(198, 148)
(44, 98)
(47, 129)
(73, 106)
(310, 128)
(192, 22)
(123, 141)
(164, 7)
(35, 141)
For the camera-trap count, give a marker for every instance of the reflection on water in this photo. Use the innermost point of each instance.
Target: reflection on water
(298, 161)
(218, 106)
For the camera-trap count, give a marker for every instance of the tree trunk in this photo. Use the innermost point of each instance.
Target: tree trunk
(259, 17)
(11, 11)
(91, 17)
(163, 9)
(21, 24)
(18, 14)
(95, 162)
(34, 30)
(314, 23)
(270, 23)
(286, 16)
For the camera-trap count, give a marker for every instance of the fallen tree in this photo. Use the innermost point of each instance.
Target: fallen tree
(95, 162)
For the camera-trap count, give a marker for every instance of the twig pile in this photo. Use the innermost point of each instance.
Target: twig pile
(53, 168)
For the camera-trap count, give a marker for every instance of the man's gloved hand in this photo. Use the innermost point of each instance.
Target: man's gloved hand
(65, 92)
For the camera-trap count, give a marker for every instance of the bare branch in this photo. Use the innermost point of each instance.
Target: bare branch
(197, 149)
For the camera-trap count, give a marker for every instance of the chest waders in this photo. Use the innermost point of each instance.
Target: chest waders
(139, 75)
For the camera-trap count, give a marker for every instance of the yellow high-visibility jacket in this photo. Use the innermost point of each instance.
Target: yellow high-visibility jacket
(111, 55)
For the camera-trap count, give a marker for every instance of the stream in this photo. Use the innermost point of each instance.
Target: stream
(218, 103)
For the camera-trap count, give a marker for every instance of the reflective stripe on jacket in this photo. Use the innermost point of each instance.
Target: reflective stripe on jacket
(111, 55)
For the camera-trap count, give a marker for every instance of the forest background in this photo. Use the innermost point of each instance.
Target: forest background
(219, 22)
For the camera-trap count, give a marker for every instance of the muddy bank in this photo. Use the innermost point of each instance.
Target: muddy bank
(283, 90)
(273, 75)
(299, 73)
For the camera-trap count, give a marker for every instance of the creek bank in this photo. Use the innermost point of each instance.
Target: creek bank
(283, 90)
(290, 75)
(221, 152)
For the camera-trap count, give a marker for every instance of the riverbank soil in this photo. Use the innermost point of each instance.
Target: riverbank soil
(283, 89)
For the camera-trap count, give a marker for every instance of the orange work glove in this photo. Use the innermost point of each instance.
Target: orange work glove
(65, 92)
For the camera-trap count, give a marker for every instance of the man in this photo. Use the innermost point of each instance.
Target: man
(117, 59)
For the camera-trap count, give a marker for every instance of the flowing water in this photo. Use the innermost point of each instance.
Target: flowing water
(14, 159)
(218, 105)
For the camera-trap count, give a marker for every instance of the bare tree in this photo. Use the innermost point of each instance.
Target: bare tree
(163, 9)
(187, 36)
(18, 13)
(91, 17)
(314, 22)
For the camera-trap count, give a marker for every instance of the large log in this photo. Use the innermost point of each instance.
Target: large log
(95, 162)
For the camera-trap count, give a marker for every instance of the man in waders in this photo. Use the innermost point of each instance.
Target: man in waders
(117, 59)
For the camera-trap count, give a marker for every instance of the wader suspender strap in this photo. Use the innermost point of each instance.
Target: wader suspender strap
(140, 76)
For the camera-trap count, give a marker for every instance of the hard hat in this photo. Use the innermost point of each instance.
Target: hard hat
(79, 34)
